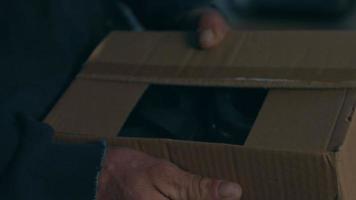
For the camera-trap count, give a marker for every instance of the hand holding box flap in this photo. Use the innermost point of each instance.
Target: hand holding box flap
(288, 59)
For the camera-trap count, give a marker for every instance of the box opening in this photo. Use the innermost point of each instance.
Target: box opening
(206, 114)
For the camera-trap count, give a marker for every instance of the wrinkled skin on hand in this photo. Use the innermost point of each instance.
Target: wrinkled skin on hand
(131, 175)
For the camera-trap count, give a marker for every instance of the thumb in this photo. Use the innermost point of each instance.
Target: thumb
(212, 28)
(177, 184)
(201, 188)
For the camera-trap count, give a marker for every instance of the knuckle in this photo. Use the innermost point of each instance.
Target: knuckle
(202, 188)
(163, 168)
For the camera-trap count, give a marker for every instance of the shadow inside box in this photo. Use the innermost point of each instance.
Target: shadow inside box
(207, 114)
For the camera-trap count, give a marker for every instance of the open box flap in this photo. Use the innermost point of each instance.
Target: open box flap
(271, 59)
(95, 107)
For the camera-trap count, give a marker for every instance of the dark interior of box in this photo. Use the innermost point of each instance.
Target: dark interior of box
(207, 114)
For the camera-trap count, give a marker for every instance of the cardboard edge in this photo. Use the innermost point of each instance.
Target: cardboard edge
(343, 121)
(346, 163)
(244, 82)
(87, 138)
(96, 52)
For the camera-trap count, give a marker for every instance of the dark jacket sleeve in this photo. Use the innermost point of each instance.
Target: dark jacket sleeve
(32, 165)
(42, 169)
(42, 47)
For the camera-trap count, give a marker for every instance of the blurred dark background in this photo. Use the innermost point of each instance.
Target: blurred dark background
(290, 14)
(275, 14)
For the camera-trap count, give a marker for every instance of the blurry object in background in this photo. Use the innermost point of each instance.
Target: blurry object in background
(161, 14)
(289, 14)
(304, 7)
(129, 16)
(255, 14)
(223, 115)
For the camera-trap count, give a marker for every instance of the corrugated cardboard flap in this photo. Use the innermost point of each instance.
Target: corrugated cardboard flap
(264, 174)
(287, 59)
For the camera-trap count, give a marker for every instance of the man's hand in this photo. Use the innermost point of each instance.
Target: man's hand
(212, 27)
(132, 175)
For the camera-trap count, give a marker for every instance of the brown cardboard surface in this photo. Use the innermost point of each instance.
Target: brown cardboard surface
(303, 143)
(95, 107)
(346, 162)
(247, 59)
(264, 174)
(297, 120)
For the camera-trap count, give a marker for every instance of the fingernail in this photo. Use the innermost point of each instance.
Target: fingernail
(207, 37)
(228, 190)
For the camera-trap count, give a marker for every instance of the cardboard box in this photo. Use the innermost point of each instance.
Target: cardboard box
(303, 143)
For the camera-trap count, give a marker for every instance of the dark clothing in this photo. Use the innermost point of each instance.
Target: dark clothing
(42, 47)
(43, 170)
(43, 44)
